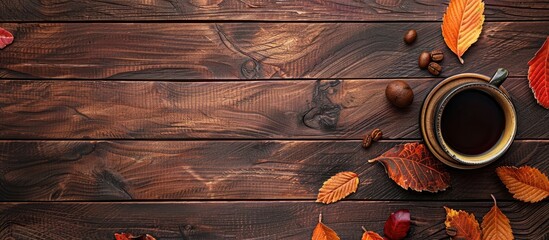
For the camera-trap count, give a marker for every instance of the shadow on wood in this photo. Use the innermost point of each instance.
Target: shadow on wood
(187, 170)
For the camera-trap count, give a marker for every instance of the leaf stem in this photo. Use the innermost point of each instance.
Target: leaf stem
(320, 217)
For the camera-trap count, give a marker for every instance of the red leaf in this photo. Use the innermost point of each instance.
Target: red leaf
(538, 75)
(129, 236)
(397, 225)
(6, 38)
(412, 166)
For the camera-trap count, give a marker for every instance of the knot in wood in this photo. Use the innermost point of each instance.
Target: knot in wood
(323, 114)
(250, 69)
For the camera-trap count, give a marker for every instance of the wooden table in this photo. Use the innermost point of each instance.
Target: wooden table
(186, 119)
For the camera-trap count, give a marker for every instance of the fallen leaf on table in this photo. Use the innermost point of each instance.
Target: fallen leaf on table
(397, 225)
(370, 235)
(129, 236)
(412, 166)
(526, 183)
(538, 74)
(6, 38)
(338, 187)
(495, 225)
(461, 225)
(462, 24)
(323, 232)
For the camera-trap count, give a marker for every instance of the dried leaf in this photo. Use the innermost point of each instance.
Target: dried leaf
(464, 224)
(370, 235)
(129, 236)
(412, 166)
(338, 187)
(6, 38)
(538, 74)
(397, 225)
(495, 225)
(323, 232)
(462, 24)
(526, 183)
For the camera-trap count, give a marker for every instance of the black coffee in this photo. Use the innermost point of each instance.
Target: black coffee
(472, 122)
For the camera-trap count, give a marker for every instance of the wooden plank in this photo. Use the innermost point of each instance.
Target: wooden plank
(228, 110)
(247, 220)
(254, 50)
(148, 170)
(263, 10)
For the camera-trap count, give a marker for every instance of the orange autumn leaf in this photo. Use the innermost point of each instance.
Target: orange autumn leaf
(462, 24)
(526, 183)
(323, 232)
(370, 235)
(129, 236)
(463, 225)
(538, 74)
(495, 225)
(412, 166)
(338, 187)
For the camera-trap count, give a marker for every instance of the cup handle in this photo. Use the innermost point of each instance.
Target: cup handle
(499, 77)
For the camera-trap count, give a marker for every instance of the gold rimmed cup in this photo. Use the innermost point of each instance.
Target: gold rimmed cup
(438, 100)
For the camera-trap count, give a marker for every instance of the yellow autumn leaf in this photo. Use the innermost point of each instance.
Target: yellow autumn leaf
(462, 24)
(338, 187)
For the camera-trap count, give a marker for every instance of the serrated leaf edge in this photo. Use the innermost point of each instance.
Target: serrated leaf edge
(345, 189)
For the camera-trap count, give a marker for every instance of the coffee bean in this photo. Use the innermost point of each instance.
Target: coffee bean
(424, 59)
(376, 134)
(451, 231)
(434, 68)
(410, 36)
(437, 55)
(367, 141)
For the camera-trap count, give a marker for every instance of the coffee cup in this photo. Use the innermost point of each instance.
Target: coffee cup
(468, 120)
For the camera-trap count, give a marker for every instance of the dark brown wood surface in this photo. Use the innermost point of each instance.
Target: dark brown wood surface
(199, 119)
(254, 50)
(264, 10)
(246, 220)
(232, 170)
(251, 110)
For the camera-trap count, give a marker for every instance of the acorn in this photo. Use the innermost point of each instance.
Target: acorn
(399, 93)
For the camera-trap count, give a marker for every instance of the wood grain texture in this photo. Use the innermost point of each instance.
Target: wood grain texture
(149, 170)
(344, 109)
(254, 50)
(263, 10)
(246, 220)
